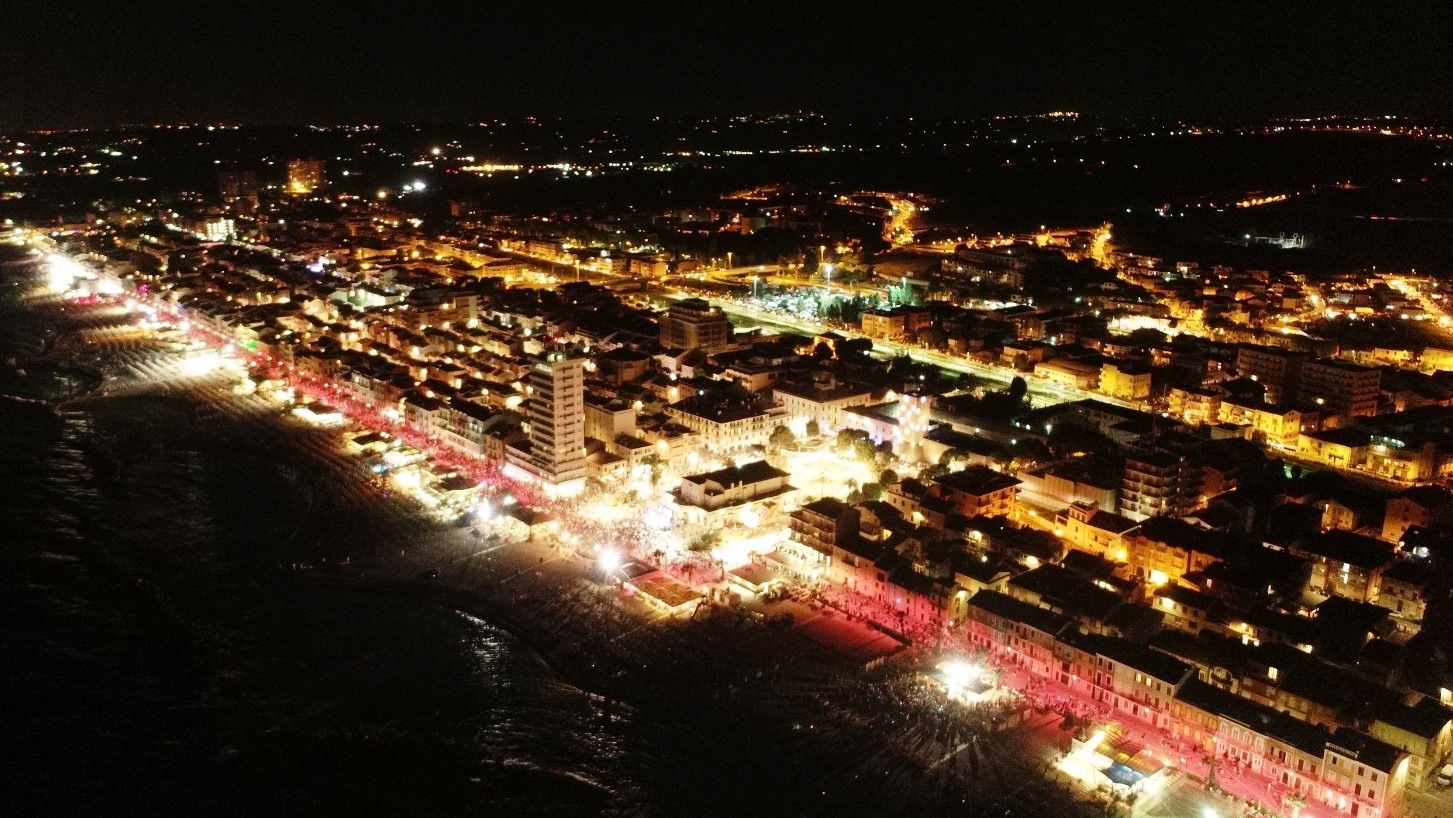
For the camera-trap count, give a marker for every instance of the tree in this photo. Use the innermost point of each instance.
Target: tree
(872, 491)
(847, 439)
(781, 437)
(901, 294)
(864, 450)
(854, 348)
(933, 472)
(1067, 438)
(1031, 449)
(900, 367)
(1001, 458)
(883, 453)
(888, 477)
(656, 465)
(814, 429)
(822, 351)
(1018, 388)
(933, 337)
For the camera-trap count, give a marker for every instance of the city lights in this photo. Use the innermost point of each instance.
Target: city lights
(1035, 480)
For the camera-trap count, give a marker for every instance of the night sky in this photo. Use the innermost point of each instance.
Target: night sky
(65, 64)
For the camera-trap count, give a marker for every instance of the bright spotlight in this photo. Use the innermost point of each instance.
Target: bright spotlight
(201, 364)
(609, 561)
(61, 273)
(959, 674)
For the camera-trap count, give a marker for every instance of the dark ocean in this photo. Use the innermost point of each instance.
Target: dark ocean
(155, 661)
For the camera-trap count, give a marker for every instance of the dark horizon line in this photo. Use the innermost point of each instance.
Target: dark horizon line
(1219, 119)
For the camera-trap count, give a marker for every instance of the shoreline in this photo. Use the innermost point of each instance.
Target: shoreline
(454, 599)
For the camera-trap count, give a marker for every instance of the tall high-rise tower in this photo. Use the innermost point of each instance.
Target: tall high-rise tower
(555, 410)
(304, 176)
(237, 184)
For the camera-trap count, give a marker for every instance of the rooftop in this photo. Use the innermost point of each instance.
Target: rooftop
(757, 471)
(977, 480)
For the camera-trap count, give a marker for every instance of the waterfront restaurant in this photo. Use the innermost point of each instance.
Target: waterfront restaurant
(661, 590)
(754, 578)
(1109, 758)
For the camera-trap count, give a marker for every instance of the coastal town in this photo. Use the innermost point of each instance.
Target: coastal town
(1200, 510)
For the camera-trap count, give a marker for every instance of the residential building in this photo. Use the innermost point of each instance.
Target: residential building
(1018, 633)
(977, 491)
(1346, 564)
(693, 323)
(895, 324)
(1340, 388)
(727, 427)
(304, 176)
(707, 498)
(1101, 533)
(1134, 679)
(1194, 406)
(608, 418)
(1273, 367)
(1338, 448)
(237, 185)
(1423, 730)
(1276, 424)
(1420, 506)
(1184, 609)
(1164, 550)
(1069, 373)
(555, 412)
(1407, 588)
(820, 398)
(1158, 483)
(1126, 381)
(821, 526)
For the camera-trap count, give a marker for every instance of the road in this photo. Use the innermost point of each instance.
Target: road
(1179, 752)
(1041, 392)
(1430, 306)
